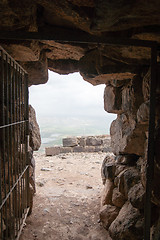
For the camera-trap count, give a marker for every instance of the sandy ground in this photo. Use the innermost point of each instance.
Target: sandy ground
(67, 200)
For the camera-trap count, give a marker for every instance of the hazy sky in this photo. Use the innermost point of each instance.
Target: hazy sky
(68, 95)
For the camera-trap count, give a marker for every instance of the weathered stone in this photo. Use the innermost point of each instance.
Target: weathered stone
(118, 198)
(106, 197)
(23, 50)
(129, 159)
(143, 113)
(34, 131)
(113, 16)
(109, 170)
(107, 149)
(99, 149)
(106, 141)
(63, 66)
(52, 151)
(132, 95)
(93, 141)
(79, 149)
(136, 196)
(119, 169)
(82, 142)
(113, 99)
(126, 136)
(90, 149)
(37, 71)
(107, 160)
(127, 225)
(70, 142)
(108, 214)
(66, 149)
(96, 68)
(127, 179)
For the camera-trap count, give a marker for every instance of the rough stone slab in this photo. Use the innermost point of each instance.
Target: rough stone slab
(93, 141)
(89, 149)
(78, 149)
(106, 141)
(52, 151)
(82, 142)
(107, 149)
(66, 149)
(70, 142)
(108, 214)
(98, 148)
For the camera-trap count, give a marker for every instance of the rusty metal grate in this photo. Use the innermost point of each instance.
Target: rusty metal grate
(14, 169)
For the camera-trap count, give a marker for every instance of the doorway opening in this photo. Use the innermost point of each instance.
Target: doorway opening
(68, 185)
(69, 106)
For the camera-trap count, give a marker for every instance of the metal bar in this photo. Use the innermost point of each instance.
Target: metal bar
(26, 116)
(11, 61)
(151, 144)
(24, 219)
(10, 150)
(7, 140)
(5, 199)
(72, 35)
(12, 124)
(1, 225)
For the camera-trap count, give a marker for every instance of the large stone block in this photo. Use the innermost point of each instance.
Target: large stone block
(128, 224)
(79, 149)
(34, 130)
(52, 151)
(90, 149)
(108, 213)
(118, 198)
(109, 170)
(70, 142)
(136, 196)
(66, 149)
(143, 113)
(127, 179)
(82, 141)
(93, 141)
(127, 137)
(106, 197)
(113, 99)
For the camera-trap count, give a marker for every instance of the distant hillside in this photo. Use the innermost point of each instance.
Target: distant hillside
(54, 129)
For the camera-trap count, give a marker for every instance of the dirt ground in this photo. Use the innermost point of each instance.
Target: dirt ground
(66, 203)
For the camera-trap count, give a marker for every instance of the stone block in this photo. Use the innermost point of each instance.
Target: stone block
(106, 197)
(52, 151)
(127, 137)
(106, 141)
(127, 179)
(82, 142)
(89, 149)
(66, 149)
(143, 113)
(108, 214)
(136, 196)
(118, 198)
(98, 149)
(128, 224)
(107, 149)
(109, 171)
(70, 142)
(78, 149)
(93, 141)
(113, 99)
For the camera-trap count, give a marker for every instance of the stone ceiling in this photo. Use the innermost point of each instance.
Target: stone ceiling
(96, 63)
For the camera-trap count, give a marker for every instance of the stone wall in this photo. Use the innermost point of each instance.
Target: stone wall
(81, 144)
(124, 175)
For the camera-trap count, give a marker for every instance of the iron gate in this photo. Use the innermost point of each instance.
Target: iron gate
(14, 169)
